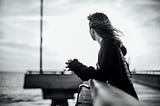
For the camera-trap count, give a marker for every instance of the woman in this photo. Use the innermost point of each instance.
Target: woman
(111, 67)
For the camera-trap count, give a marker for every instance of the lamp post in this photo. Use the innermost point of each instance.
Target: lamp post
(41, 37)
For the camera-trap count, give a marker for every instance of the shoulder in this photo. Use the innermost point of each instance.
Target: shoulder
(107, 47)
(107, 43)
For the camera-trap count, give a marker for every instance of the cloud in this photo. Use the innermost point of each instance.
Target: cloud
(65, 22)
(145, 11)
(19, 8)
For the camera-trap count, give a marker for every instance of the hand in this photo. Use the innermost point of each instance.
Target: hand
(71, 64)
(67, 63)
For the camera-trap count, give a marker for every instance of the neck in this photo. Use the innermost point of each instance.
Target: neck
(99, 39)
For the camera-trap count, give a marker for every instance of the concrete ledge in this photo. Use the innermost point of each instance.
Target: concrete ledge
(52, 81)
(107, 95)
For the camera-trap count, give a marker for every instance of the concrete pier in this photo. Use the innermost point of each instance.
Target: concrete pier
(103, 93)
(147, 95)
(60, 87)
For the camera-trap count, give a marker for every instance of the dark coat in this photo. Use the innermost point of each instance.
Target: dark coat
(110, 69)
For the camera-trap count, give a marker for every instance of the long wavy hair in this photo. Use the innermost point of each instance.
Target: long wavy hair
(102, 25)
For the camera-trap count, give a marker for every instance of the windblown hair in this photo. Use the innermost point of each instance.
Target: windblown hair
(102, 25)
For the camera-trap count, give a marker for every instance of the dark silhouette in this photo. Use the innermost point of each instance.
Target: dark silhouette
(111, 66)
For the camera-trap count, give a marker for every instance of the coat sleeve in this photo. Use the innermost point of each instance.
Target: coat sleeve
(106, 64)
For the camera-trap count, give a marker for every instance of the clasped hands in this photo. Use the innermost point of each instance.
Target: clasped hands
(71, 64)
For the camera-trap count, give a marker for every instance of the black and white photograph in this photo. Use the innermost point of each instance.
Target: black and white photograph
(79, 53)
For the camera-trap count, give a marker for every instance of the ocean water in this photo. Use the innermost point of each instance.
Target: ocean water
(13, 94)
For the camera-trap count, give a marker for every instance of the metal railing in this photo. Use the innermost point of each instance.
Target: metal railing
(48, 72)
(154, 72)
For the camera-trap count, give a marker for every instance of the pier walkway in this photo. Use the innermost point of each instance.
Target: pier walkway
(148, 95)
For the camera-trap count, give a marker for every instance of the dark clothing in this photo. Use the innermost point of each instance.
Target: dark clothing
(111, 68)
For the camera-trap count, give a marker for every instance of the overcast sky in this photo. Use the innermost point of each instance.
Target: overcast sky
(66, 32)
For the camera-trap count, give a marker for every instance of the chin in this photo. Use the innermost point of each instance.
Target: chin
(94, 39)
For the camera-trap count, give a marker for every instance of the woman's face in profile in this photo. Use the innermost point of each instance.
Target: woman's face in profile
(92, 34)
